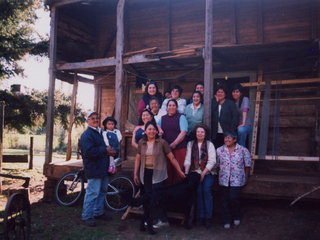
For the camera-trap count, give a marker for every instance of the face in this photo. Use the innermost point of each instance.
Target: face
(154, 105)
(200, 88)
(221, 95)
(167, 95)
(236, 94)
(151, 132)
(175, 94)
(196, 98)
(146, 117)
(152, 89)
(172, 108)
(93, 120)
(200, 134)
(229, 141)
(110, 125)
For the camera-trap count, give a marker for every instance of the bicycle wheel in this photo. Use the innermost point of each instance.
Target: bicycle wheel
(16, 223)
(69, 189)
(116, 184)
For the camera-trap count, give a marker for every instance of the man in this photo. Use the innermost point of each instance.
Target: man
(96, 163)
(157, 113)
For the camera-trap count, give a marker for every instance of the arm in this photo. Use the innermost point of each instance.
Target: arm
(182, 105)
(133, 140)
(136, 168)
(183, 123)
(119, 135)
(247, 170)
(187, 160)
(234, 116)
(160, 131)
(175, 164)
(141, 106)
(105, 138)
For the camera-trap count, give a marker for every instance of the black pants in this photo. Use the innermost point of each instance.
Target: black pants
(230, 203)
(219, 141)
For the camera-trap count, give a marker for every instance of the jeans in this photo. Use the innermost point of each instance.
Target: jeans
(96, 192)
(204, 199)
(242, 134)
(230, 203)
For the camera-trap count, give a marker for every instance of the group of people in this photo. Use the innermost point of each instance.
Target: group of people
(172, 141)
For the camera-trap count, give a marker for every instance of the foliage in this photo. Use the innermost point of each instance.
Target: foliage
(17, 35)
(29, 110)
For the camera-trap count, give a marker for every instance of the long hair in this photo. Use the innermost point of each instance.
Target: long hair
(146, 94)
(239, 87)
(140, 118)
(155, 126)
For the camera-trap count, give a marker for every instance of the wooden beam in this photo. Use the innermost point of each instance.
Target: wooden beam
(288, 158)
(90, 64)
(290, 81)
(208, 63)
(233, 23)
(119, 63)
(52, 78)
(71, 117)
(66, 2)
(67, 77)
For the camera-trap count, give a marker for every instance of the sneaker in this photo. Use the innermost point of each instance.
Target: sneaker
(236, 222)
(198, 222)
(207, 223)
(89, 222)
(103, 217)
(227, 226)
(161, 224)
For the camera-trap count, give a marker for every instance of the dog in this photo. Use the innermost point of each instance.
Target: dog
(157, 201)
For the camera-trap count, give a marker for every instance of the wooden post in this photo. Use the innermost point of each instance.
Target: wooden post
(119, 64)
(71, 118)
(31, 153)
(208, 64)
(52, 78)
(2, 105)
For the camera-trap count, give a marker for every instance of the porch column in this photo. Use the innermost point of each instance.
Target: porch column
(119, 64)
(208, 64)
(52, 78)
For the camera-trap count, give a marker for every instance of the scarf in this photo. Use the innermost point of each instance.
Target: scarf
(197, 163)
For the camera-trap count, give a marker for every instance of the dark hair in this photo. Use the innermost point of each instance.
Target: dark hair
(155, 126)
(167, 92)
(231, 133)
(108, 119)
(223, 87)
(140, 118)
(198, 83)
(239, 87)
(176, 87)
(154, 98)
(201, 96)
(172, 100)
(146, 94)
(206, 129)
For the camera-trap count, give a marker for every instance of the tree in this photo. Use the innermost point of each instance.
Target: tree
(25, 111)
(17, 37)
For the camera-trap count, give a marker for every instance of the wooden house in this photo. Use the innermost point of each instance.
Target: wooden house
(271, 47)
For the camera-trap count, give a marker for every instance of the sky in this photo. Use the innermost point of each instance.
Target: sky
(36, 71)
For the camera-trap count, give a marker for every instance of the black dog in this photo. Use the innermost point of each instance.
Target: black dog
(158, 201)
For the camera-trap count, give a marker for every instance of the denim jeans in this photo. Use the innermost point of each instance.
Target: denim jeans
(96, 192)
(230, 203)
(204, 199)
(242, 134)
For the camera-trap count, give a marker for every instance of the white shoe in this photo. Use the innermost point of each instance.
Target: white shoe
(160, 224)
(227, 226)
(236, 222)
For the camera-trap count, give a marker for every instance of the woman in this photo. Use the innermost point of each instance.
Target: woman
(176, 92)
(194, 113)
(234, 162)
(138, 132)
(175, 127)
(201, 158)
(151, 161)
(198, 87)
(243, 105)
(224, 116)
(150, 91)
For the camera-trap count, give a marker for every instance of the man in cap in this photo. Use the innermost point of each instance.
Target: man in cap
(95, 157)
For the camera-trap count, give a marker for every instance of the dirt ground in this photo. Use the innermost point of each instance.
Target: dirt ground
(261, 219)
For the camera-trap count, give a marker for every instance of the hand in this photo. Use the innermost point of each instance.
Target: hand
(202, 177)
(136, 180)
(217, 99)
(242, 125)
(111, 151)
(182, 175)
(173, 146)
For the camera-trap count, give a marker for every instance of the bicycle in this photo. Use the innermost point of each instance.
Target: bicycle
(70, 188)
